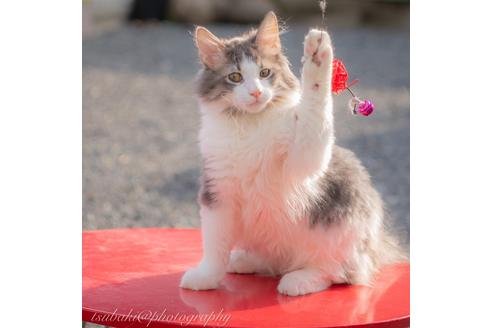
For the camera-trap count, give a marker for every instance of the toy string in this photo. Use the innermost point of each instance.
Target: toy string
(322, 6)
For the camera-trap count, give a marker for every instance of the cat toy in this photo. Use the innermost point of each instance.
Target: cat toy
(340, 80)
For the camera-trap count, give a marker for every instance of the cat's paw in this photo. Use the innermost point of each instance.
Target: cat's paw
(317, 48)
(200, 279)
(302, 282)
(242, 261)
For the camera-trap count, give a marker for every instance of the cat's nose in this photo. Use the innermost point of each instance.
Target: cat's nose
(256, 93)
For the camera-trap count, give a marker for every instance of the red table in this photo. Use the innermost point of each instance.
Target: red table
(131, 277)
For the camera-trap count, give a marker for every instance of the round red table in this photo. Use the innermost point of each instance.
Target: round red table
(131, 277)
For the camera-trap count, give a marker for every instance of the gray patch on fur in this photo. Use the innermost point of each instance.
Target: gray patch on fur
(212, 85)
(206, 196)
(346, 191)
(239, 48)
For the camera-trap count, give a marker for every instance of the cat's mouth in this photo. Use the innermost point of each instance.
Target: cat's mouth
(255, 103)
(258, 102)
(255, 106)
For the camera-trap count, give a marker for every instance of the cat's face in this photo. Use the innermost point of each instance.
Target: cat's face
(247, 73)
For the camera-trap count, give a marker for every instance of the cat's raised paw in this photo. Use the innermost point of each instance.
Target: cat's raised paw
(317, 47)
(199, 279)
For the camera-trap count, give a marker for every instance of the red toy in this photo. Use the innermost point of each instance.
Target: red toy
(339, 82)
(340, 77)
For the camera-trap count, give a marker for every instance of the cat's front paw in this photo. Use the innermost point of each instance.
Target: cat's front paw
(317, 48)
(200, 279)
(302, 282)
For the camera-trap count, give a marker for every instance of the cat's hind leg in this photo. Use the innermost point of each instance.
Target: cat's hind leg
(303, 281)
(242, 261)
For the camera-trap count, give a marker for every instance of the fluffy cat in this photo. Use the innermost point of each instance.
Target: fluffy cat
(278, 196)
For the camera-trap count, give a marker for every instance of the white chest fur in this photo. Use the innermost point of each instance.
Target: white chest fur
(246, 148)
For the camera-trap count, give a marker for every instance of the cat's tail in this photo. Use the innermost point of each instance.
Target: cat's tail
(381, 252)
(390, 251)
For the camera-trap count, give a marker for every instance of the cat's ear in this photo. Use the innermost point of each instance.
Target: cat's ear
(210, 48)
(268, 36)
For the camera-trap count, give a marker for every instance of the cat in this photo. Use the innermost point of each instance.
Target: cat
(277, 195)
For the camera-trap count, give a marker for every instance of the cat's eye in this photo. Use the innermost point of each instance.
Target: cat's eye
(264, 73)
(235, 77)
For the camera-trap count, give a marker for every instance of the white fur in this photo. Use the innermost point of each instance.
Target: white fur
(266, 165)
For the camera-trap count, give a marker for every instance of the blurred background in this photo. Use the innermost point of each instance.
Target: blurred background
(140, 118)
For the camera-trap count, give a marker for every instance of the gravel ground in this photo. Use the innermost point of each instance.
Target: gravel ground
(140, 121)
